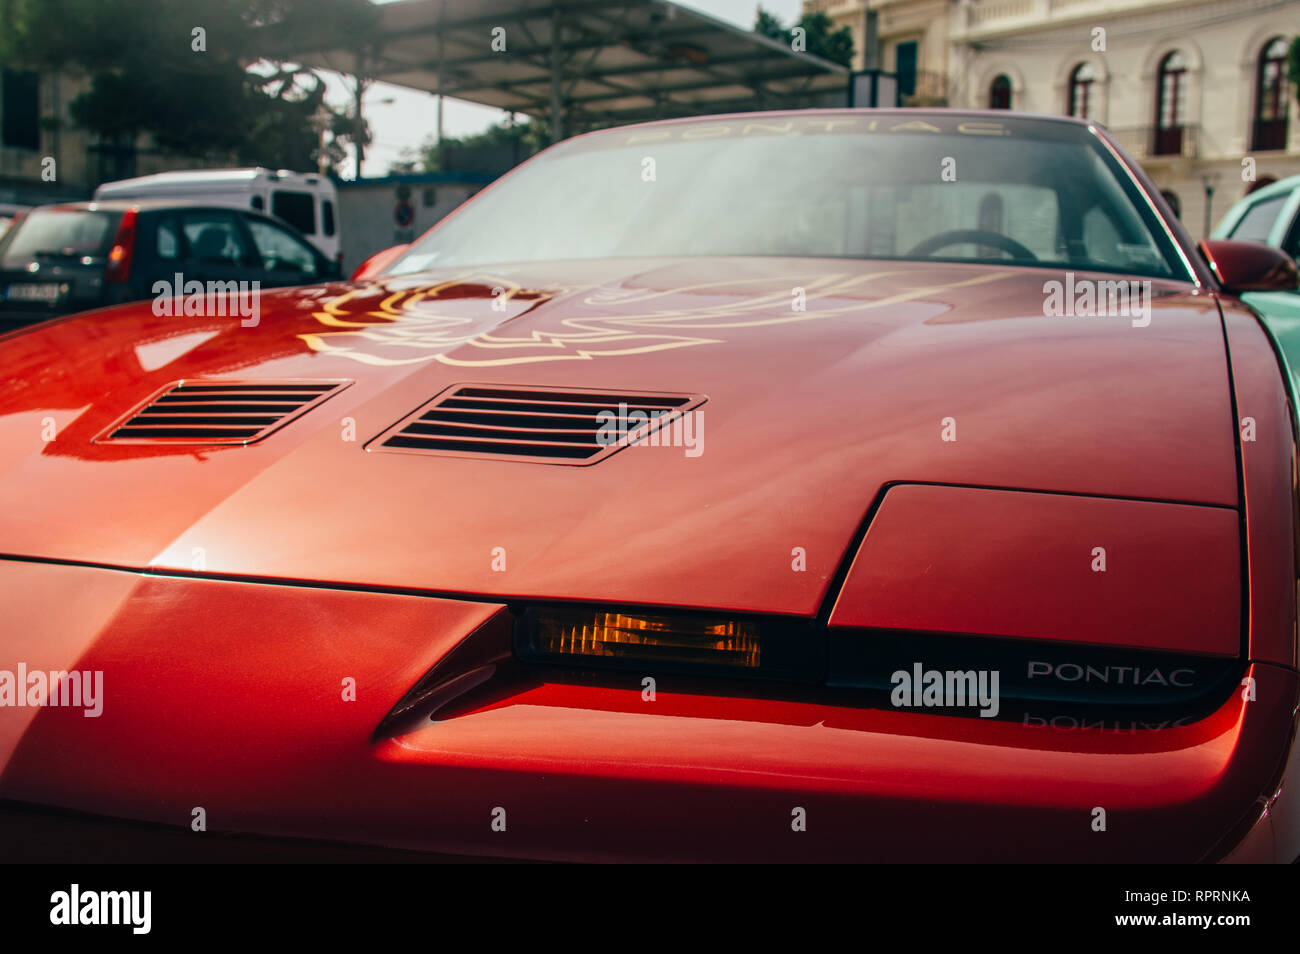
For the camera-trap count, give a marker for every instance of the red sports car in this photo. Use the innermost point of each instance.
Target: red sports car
(987, 550)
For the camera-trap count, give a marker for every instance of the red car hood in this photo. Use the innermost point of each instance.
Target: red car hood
(824, 381)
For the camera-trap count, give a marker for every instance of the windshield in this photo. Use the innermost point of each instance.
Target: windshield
(57, 233)
(1032, 192)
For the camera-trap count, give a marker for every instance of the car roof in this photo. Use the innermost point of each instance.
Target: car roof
(208, 177)
(1281, 187)
(144, 205)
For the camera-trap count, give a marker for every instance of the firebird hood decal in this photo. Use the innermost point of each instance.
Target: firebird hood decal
(426, 323)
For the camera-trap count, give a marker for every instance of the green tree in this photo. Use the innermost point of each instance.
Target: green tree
(768, 25)
(495, 150)
(820, 36)
(151, 73)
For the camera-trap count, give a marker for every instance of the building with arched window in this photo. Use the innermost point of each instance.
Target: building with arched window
(1197, 90)
(1171, 105)
(1082, 101)
(1273, 97)
(1000, 92)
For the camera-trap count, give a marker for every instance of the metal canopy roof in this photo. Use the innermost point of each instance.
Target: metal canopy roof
(584, 63)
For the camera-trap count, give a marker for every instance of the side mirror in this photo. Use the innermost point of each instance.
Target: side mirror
(378, 262)
(1249, 266)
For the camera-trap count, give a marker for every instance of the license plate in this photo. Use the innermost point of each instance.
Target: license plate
(48, 293)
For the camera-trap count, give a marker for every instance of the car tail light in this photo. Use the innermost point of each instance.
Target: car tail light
(120, 255)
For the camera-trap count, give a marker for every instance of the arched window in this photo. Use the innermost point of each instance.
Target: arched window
(1175, 203)
(1000, 92)
(1260, 183)
(1271, 95)
(1082, 100)
(1171, 104)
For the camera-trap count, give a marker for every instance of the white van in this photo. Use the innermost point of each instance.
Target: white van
(306, 200)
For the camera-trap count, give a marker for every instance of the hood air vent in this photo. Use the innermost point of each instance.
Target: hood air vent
(218, 412)
(541, 425)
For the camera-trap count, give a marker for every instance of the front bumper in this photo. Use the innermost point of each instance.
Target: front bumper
(230, 701)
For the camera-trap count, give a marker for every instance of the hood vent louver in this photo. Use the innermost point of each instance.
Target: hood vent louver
(218, 412)
(540, 425)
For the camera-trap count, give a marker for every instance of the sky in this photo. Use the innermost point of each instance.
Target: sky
(402, 119)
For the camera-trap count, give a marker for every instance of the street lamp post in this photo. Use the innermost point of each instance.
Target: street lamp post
(1209, 181)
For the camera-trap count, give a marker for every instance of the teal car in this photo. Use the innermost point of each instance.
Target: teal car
(1272, 215)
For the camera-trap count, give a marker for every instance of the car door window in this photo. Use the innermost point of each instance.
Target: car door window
(1258, 221)
(168, 240)
(214, 238)
(1291, 243)
(296, 208)
(281, 251)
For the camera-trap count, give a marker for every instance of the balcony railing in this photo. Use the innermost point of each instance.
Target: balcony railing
(931, 90)
(830, 6)
(984, 14)
(1152, 142)
(1056, 6)
(988, 11)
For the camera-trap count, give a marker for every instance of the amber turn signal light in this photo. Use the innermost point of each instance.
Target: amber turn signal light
(692, 641)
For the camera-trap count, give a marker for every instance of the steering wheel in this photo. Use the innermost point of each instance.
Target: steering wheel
(975, 236)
